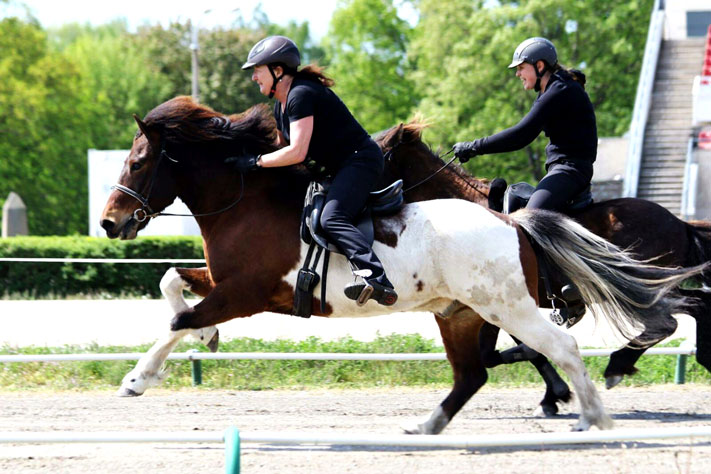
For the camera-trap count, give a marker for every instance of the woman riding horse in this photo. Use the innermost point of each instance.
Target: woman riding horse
(564, 111)
(314, 123)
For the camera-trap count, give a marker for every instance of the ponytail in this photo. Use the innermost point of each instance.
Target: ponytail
(575, 74)
(314, 73)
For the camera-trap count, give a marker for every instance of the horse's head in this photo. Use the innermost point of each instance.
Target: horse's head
(145, 185)
(403, 149)
(179, 150)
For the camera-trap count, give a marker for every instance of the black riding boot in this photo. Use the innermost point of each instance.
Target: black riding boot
(363, 289)
(574, 307)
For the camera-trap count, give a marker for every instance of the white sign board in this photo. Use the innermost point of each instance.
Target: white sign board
(701, 97)
(104, 169)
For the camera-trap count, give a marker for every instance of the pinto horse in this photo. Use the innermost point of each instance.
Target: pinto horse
(647, 228)
(250, 229)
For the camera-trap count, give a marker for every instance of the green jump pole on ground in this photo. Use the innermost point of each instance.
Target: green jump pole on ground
(196, 370)
(680, 373)
(232, 450)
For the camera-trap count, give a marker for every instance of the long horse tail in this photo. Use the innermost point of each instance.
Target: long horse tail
(700, 237)
(634, 295)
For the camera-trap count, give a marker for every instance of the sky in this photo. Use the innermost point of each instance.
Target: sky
(221, 12)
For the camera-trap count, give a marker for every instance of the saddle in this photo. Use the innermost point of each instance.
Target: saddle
(384, 202)
(517, 196)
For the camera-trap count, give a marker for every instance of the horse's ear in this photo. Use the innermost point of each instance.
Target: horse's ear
(142, 126)
(399, 132)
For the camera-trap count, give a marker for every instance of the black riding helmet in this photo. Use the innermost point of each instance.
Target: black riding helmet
(274, 50)
(533, 50)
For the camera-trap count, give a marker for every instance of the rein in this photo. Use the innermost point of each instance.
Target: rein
(435, 173)
(145, 212)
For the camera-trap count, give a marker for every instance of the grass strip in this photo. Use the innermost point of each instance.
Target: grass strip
(295, 374)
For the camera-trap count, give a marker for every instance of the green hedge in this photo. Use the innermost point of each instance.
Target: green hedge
(53, 280)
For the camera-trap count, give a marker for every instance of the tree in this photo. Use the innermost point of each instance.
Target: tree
(223, 85)
(42, 131)
(118, 79)
(366, 52)
(462, 48)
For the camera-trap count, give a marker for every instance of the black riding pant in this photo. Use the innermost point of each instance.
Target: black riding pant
(346, 198)
(563, 182)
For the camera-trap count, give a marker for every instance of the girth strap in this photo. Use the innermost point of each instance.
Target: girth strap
(306, 281)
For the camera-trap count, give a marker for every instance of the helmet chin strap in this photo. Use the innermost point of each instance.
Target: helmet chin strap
(539, 76)
(275, 80)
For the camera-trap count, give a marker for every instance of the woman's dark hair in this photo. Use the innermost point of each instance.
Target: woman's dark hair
(311, 72)
(575, 74)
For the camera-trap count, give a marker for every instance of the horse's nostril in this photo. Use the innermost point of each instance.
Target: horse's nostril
(107, 224)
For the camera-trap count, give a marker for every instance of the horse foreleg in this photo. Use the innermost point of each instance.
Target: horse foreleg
(622, 361)
(460, 337)
(196, 280)
(148, 371)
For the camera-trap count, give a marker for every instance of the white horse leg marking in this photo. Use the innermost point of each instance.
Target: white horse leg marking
(436, 422)
(172, 286)
(148, 371)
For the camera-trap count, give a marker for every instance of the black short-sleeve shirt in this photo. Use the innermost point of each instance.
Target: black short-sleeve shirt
(336, 133)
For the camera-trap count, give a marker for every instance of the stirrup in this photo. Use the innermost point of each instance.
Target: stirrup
(363, 291)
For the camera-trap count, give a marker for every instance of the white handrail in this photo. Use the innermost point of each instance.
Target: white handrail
(643, 100)
(691, 176)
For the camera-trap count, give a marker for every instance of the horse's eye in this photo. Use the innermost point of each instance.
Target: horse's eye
(136, 166)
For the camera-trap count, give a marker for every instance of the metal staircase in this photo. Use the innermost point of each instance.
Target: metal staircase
(668, 127)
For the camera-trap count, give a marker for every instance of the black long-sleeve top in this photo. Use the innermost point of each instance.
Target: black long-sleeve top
(564, 112)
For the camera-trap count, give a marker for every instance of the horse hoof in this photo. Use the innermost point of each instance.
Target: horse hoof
(214, 342)
(127, 392)
(612, 381)
(549, 409)
(414, 429)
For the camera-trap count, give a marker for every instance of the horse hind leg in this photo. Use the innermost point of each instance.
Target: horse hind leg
(459, 332)
(527, 325)
(556, 388)
(196, 280)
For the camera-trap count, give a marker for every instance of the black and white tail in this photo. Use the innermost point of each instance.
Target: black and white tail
(634, 295)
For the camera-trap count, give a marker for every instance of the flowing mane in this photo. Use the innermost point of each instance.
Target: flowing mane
(410, 158)
(185, 121)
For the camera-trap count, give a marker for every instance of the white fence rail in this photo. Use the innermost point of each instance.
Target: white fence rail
(196, 356)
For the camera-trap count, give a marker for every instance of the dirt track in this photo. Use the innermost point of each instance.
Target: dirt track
(346, 412)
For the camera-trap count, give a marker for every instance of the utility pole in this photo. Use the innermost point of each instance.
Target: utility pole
(194, 47)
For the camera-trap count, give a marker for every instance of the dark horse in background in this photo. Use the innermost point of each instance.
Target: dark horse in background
(648, 229)
(253, 252)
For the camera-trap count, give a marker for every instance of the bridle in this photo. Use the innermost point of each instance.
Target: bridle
(146, 212)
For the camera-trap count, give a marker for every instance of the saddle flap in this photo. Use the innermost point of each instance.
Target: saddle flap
(388, 200)
(517, 196)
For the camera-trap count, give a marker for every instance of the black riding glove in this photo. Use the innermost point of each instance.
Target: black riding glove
(244, 163)
(466, 150)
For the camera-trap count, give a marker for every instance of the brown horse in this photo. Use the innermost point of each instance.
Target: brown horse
(250, 229)
(650, 230)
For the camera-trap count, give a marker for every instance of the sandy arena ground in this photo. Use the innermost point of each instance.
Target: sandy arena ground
(496, 411)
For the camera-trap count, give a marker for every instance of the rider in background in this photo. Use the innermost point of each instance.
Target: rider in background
(564, 112)
(314, 123)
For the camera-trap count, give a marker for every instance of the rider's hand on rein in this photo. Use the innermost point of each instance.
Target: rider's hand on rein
(466, 150)
(244, 163)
